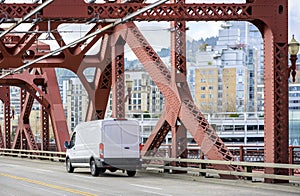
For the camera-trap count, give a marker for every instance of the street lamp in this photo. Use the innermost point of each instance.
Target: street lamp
(293, 50)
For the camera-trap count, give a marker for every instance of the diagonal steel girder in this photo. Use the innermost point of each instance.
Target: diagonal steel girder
(179, 103)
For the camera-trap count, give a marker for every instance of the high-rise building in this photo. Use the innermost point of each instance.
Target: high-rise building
(206, 81)
(77, 103)
(221, 79)
(144, 95)
(251, 40)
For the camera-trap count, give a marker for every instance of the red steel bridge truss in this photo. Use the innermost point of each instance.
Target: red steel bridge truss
(39, 81)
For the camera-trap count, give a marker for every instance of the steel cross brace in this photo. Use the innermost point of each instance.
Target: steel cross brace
(179, 103)
(24, 127)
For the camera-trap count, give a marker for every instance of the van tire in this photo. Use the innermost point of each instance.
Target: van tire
(94, 169)
(130, 173)
(69, 167)
(102, 170)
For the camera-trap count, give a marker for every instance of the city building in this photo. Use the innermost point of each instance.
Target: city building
(77, 103)
(206, 81)
(222, 76)
(144, 94)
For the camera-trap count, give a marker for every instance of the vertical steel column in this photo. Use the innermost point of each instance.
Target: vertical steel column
(56, 111)
(1, 139)
(178, 64)
(5, 97)
(274, 30)
(44, 129)
(118, 94)
(276, 105)
(7, 119)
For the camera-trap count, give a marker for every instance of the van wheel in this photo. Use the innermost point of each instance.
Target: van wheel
(102, 170)
(94, 169)
(131, 173)
(69, 167)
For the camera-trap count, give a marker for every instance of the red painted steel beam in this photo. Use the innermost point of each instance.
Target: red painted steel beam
(80, 12)
(118, 77)
(24, 138)
(66, 59)
(273, 24)
(179, 103)
(1, 139)
(101, 84)
(13, 53)
(31, 81)
(56, 110)
(178, 64)
(44, 130)
(5, 98)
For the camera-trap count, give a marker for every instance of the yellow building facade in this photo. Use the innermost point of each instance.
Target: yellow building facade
(206, 89)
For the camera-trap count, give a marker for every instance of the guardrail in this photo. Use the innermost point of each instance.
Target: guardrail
(166, 164)
(202, 169)
(48, 155)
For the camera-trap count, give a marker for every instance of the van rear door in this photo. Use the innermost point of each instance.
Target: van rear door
(112, 141)
(121, 140)
(130, 141)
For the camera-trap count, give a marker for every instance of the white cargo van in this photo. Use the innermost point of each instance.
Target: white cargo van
(105, 144)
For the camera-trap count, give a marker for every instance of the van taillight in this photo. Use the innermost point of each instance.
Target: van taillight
(101, 150)
(141, 146)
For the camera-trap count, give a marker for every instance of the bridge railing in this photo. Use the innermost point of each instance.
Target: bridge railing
(47, 155)
(248, 153)
(171, 165)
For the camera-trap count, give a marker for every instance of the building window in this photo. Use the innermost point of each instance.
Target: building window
(202, 96)
(203, 88)
(211, 80)
(210, 87)
(219, 95)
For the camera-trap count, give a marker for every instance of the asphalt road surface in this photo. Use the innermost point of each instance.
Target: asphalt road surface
(35, 177)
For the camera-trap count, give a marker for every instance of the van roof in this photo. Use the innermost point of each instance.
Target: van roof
(107, 121)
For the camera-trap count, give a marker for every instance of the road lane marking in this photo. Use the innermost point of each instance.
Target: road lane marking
(148, 187)
(47, 185)
(156, 193)
(44, 170)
